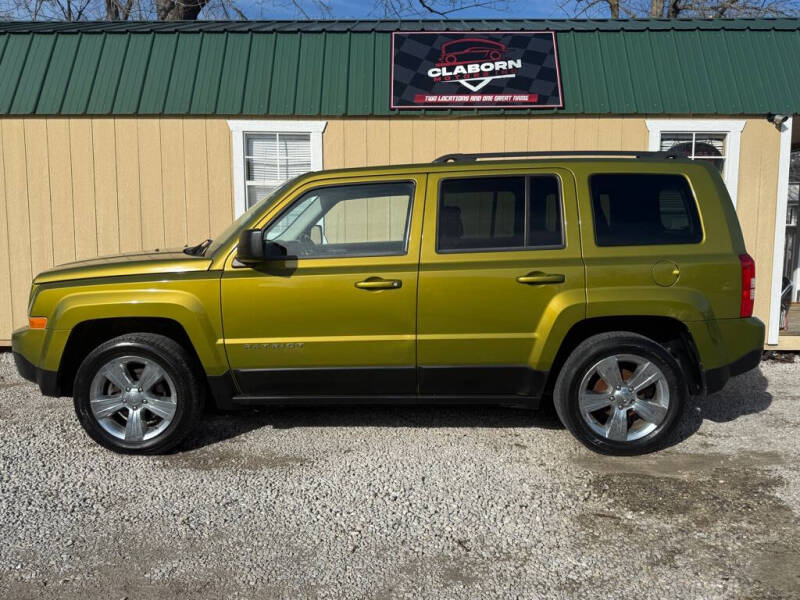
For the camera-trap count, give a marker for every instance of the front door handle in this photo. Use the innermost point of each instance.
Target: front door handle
(539, 278)
(377, 283)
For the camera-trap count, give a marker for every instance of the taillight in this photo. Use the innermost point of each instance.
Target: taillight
(748, 285)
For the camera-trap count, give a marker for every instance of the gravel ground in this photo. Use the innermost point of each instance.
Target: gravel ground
(404, 503)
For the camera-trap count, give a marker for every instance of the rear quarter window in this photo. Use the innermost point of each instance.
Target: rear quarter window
(633, 209)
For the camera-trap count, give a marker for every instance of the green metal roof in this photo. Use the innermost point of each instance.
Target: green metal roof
(331, 68)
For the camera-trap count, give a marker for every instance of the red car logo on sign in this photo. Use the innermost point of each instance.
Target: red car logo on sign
(459, 52)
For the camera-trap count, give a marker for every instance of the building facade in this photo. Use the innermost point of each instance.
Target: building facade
(132, 136)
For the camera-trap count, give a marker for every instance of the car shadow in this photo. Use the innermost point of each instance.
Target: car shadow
(743, 395)
(219, 426)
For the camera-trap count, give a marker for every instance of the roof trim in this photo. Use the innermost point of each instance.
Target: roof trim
(367, 26)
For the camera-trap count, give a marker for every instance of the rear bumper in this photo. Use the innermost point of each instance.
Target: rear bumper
(725, 348)
(716, 378)
(46, 380)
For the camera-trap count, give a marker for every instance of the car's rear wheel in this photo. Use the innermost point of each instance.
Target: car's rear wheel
(138, 393)
(620, 393)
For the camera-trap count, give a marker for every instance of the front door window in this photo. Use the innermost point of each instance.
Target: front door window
(346, 221)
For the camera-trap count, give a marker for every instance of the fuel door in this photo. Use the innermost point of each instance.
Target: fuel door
(666, 273)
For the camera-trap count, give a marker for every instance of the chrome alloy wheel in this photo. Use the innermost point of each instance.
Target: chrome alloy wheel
(623, 397)
(133, 398)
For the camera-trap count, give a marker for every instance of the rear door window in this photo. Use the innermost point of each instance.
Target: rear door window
(644, 209)
(499, 213)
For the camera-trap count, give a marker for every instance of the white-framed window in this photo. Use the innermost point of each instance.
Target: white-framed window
(267, 153)
(715, 141)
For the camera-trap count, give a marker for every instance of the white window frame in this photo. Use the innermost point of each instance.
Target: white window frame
(733, 139)
(779, 245)
(240, 128)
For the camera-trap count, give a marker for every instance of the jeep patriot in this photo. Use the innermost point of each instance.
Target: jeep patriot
(614, 283)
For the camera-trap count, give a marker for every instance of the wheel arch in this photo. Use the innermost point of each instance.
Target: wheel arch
(671, 333)
(88, 315)
(89, 334)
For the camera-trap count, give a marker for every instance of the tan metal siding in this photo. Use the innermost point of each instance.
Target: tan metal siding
(174, 181)
(333, 143)
(515, 134)
(399, 142)
(40, 216)
(5, 273)
(220, 185)
(151, 200)
(104, 147)
(62, 210)
(756, 204)
(79, 188)
(355, 143)
(128, 193)
(196, 176)
(376, 138)
(422, 136)
(17, 215)
(82, 154)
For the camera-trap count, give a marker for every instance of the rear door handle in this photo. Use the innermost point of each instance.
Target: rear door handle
(377, 283)
(539, 278)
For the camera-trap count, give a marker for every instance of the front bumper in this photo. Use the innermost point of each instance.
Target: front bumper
(46, 380)
(27, 345)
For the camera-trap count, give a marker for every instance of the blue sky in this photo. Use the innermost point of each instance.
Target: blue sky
(366, 9)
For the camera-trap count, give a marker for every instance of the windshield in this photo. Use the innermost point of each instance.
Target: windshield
(248, 218)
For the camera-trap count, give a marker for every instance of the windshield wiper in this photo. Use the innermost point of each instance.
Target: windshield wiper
(199, 249)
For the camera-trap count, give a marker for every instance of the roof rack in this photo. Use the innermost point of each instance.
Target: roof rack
(541, 154)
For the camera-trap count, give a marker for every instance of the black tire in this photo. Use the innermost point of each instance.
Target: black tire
(181, 367)
(581, 361)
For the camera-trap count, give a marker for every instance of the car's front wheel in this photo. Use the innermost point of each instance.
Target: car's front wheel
(620, 393)
(138, 393)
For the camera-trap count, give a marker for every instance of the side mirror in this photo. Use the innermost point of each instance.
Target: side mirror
(253, 249)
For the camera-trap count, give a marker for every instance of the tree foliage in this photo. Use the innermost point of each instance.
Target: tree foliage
(672, 9)
(174, 10)
(169, 10)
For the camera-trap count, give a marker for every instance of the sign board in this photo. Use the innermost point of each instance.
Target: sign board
(475, 69)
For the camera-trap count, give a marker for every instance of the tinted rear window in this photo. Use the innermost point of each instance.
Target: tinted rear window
(640, 210)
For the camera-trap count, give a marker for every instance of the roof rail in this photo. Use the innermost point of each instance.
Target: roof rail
(558, 153)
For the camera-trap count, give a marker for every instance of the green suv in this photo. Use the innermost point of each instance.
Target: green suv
(617, 285)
